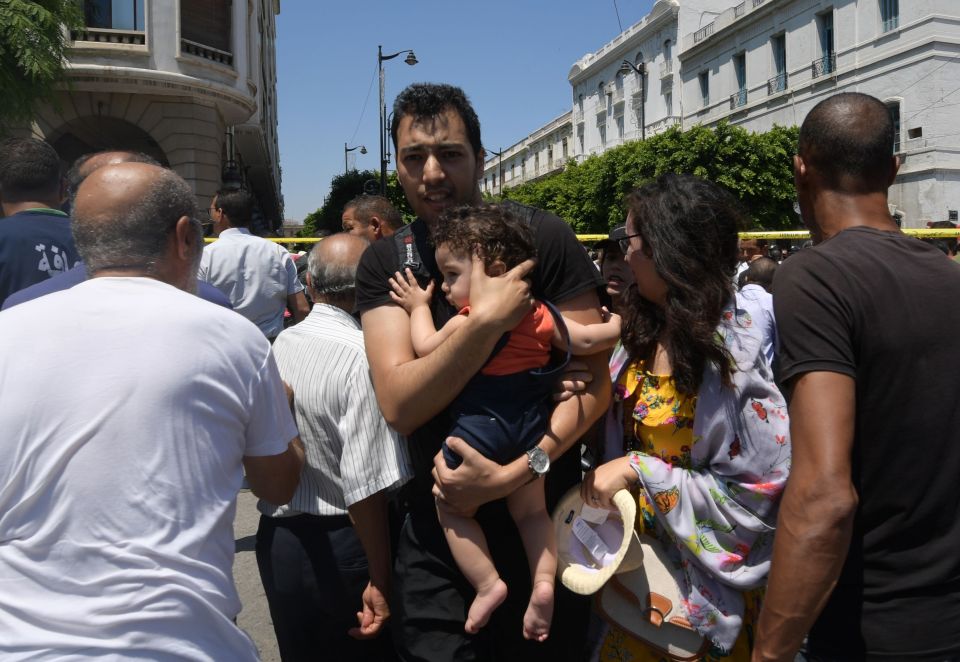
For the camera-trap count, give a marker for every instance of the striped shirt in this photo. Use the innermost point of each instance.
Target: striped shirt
(351, 452)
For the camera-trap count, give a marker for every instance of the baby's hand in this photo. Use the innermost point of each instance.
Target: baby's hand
(611, 318)
(408, 293)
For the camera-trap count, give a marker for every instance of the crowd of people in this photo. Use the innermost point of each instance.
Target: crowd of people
(468, 440)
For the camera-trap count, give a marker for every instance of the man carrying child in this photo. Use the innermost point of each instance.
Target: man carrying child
(436, 134)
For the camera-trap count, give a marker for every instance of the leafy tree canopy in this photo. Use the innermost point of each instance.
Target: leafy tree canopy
(343, 189)
(755, 167)
(32, 45)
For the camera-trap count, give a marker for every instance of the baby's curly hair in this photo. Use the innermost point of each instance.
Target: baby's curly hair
(490, 231)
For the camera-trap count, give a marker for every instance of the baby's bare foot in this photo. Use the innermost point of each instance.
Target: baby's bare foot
(488, 599)
(536, 622)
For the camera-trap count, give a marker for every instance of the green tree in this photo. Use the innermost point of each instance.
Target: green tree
(343, 189)
(32, 45)
(755, 167)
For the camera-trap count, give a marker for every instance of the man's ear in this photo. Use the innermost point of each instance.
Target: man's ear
(799, 167)
(186, 236)
(309, 279)
(377, 226)
(896, 167)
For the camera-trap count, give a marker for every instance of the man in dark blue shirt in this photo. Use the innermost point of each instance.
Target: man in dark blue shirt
(35, 238)
(80, 170)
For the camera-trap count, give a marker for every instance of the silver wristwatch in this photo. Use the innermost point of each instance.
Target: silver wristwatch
(538, 461)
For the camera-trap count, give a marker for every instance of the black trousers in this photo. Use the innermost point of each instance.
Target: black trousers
(314, 571)
(431, 598)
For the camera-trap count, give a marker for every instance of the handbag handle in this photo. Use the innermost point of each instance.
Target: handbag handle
(656, 610)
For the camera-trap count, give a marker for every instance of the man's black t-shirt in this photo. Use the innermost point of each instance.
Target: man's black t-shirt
(883, 308)
(563, 271)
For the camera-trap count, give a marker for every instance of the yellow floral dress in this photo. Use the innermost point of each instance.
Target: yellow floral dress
(661, 425)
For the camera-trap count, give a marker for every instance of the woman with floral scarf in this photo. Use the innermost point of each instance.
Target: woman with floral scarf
(704, 435)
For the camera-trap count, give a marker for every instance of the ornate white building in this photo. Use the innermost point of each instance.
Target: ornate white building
(190, 82)
(766, 62)
(763, 62)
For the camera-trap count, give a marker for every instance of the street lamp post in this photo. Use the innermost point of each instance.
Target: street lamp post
(346, 166)
(499, 156)
(411, 59)
(641, 71)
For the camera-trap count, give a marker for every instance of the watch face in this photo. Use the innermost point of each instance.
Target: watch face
(539, 461)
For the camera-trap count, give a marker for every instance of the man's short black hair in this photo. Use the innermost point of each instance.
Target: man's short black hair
(237, 204)
(425, 100)
(29, 170)
(366, 206)
(848, 140)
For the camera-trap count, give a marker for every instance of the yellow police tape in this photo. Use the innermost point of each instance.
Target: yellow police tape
(761, 234)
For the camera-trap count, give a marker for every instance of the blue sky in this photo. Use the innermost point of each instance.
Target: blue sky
(511, 58)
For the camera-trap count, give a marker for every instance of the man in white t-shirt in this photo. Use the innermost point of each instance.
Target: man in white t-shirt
(130, 409)
(258, 276)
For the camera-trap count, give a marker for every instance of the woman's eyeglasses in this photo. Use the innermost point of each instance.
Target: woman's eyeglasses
(625, 242)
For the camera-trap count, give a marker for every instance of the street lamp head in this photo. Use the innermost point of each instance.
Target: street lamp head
(625, 68)
(411, 59)
(363, 150)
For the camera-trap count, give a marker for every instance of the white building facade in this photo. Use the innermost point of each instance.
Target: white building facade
(758, 63)
(190, 82)
(544, 151)
(766, 62)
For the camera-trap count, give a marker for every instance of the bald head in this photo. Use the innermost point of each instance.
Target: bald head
(332, 269)
(124, 214)
(848, 141)
(87, 163)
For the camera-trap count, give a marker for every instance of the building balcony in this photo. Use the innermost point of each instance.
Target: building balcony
(616, 94)
(206, 52)
(602, 117)
(777, 84)
(578, 116)
(824, 66)
(109, 36)
(703, 32)
(738, 98)
(662, 125)
(740, 9)
(666, 69)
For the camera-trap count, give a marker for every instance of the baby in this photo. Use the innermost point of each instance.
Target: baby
(504, 410)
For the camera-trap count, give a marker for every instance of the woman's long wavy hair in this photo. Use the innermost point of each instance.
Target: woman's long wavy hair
(689, 227)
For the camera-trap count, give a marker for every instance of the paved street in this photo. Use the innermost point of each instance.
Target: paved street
(255, 617)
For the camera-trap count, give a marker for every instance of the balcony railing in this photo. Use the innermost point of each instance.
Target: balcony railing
(738, 98)
(777, 84)
(616, 94)
(578, 115)
(739, 10)
(824, 66)
(663, 124)
(602, 117)
(109, 36)
(206, 52)
(704, 101)
(666, 69)
(757, 3)
(703, 32)
(891, 23)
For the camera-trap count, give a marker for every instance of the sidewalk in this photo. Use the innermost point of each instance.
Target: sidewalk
(255, 617)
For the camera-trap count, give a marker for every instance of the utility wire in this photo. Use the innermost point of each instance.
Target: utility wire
(618, 15)
(364, 109)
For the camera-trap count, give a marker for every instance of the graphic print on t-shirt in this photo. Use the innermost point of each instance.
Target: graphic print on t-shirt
(53, 259)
